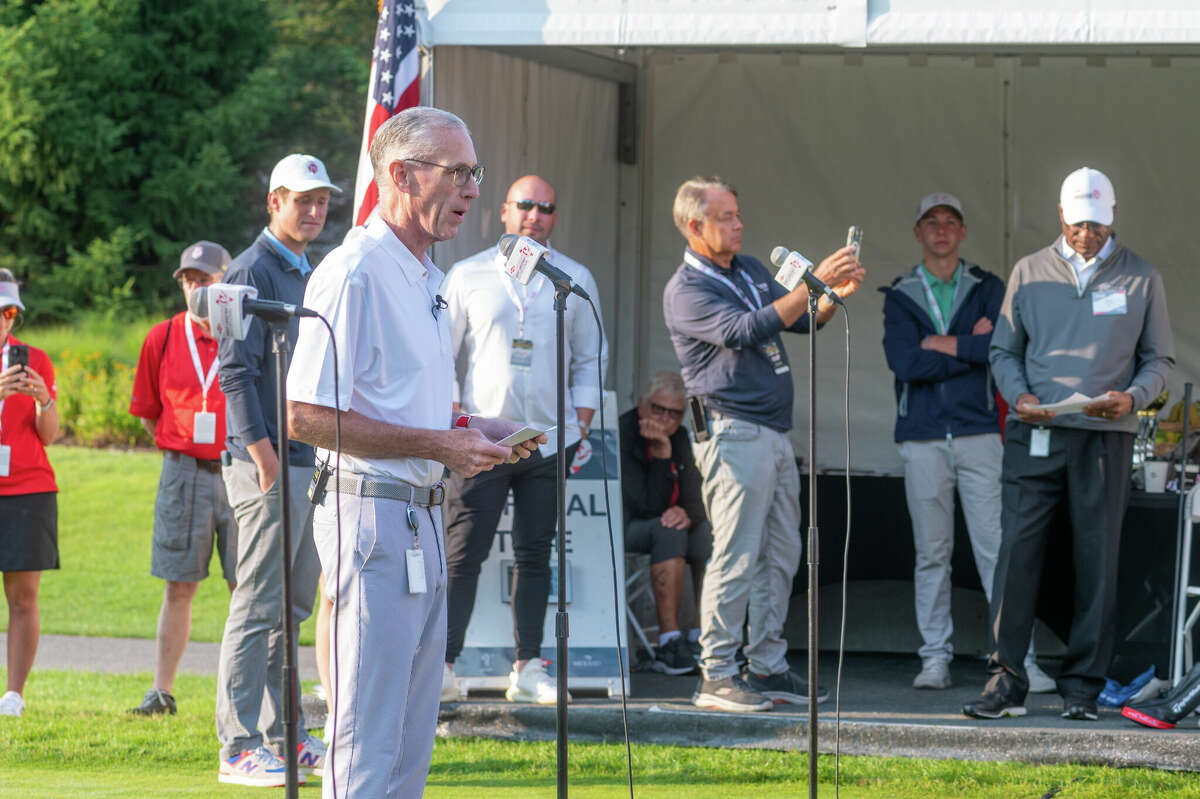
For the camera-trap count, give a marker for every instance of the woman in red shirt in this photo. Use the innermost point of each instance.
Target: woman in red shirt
(28, 492)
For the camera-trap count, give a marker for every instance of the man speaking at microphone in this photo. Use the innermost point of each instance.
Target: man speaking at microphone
(503, 342)
(725, 313)
(251, 660)
(385, 570)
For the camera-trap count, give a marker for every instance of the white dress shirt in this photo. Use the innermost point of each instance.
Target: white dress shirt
(1085, 268)
(394, 357)
(488, 310)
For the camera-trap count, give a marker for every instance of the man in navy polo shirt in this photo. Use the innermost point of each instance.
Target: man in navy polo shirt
(725, 313)
(252, 647)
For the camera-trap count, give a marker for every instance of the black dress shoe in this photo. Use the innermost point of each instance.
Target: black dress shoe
(1080, 710)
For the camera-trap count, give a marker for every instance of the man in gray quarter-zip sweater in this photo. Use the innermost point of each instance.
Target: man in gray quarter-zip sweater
(1085, 315)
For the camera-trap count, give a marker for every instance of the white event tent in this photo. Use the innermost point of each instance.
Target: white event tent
(824, 113)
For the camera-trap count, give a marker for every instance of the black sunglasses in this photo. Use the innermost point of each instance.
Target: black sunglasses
(528, 205)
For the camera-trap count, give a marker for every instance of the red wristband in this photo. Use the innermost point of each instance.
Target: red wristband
(462, 421)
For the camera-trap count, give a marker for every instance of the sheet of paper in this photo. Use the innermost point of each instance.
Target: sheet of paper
(1072, 404)
(524, 434)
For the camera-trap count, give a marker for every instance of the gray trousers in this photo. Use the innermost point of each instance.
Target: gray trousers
(387, 649)
(932, 470)
(752, 494)
(250, 671)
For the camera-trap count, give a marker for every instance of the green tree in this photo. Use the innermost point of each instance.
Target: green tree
(129, 128)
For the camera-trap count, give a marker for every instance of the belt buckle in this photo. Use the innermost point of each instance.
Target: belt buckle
(437, 493)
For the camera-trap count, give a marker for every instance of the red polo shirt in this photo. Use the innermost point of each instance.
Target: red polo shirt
(167, 388)
(29, 469)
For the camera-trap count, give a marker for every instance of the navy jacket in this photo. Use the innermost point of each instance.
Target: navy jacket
(248, 367)
(722, 344)
(936, 395)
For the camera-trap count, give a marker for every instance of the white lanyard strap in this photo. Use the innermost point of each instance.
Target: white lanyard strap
(703, 268)
(206, 381)
(531, 292)
(936, 311)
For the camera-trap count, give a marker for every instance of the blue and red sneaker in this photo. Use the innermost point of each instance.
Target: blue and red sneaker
(257, 767)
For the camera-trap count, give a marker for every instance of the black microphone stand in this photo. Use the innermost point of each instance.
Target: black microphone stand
(812, 544)
(291, 697)
(561, 629)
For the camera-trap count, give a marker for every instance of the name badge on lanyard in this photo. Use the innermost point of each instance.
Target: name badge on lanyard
(775, 356)
(522, 353)
(204, 423)
(5, 459)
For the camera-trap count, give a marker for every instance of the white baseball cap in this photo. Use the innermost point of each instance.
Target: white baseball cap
(298, 172)
(10, 295)
(931, 201)
(1087, 196)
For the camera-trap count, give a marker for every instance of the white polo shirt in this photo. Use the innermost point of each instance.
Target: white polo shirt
(489, 310)
(394, 356)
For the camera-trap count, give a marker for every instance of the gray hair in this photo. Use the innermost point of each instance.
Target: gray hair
(666, 382)
(691, 202)
(412, 133)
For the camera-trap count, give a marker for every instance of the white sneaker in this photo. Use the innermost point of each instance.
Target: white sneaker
(11, 704)
(935, 674)
(310, 755)
(1151, 690)
(532, 684)
(258, 768)
(451, 692)
(1039, 681)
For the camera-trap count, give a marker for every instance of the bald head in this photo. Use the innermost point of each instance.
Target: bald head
(536, 220)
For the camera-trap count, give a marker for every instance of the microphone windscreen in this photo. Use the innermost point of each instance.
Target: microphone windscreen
(507, 242)
(197, 302)
(779, 255)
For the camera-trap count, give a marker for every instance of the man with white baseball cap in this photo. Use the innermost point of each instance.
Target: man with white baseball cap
(178, 404)
(1085, 315)
(252, 647)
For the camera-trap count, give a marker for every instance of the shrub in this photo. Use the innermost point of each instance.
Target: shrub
(94, 396)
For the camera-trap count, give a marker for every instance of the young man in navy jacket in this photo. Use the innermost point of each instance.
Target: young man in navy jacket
(938, 320)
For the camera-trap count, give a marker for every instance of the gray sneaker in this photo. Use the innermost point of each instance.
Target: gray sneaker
(730, 693)
(155, 702)
(784, 687)
(935, 674)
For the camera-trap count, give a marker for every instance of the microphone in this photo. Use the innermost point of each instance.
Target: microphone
(794, 267)
(529, 257)
(226, 306)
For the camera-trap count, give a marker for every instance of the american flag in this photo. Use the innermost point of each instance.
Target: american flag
(395, 69)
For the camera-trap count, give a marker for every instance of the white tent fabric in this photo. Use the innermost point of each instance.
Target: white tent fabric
(853, 23)
(818, 142)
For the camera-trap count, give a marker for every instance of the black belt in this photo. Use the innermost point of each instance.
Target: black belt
(213, 466)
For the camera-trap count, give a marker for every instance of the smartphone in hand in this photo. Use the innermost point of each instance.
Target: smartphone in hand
(854, 239)
(18, 355)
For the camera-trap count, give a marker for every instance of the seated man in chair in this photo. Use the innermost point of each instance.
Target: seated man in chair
(664, 513)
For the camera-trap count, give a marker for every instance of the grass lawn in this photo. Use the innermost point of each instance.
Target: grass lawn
(105, 520)
(76, 741)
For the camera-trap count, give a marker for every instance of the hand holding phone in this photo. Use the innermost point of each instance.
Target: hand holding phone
(854, 239)
(18, 355)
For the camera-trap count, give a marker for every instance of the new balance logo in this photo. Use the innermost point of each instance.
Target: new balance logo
(309, 759)
(247, 765)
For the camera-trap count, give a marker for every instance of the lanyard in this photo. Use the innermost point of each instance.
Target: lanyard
(206, 381)
(700, 266)
(531, 292)
(934, 308)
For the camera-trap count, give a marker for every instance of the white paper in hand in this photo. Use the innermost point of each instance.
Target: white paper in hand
(523, 259)
(1072, 404)
(524, 434)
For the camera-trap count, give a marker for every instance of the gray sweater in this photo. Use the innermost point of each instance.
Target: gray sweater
(1051, 342)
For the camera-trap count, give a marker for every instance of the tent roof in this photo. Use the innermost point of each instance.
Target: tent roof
(815, 23)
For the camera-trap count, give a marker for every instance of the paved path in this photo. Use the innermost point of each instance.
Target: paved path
(881, 714)
(131, 655)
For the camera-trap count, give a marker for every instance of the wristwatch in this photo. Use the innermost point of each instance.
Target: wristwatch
(43, 408)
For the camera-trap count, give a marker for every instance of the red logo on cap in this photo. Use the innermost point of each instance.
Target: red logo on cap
(312, 167)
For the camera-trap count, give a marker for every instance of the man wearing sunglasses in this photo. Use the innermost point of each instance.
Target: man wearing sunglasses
(664, 513)
(1088, 316)
(504, 348)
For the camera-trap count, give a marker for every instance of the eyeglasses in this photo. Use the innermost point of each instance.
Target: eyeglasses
(663, 410)
(458, 173)
(10, 312)
(528, 205)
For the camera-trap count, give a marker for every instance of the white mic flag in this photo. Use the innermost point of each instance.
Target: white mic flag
(792, 266)
(523, 259)
(222, 304)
